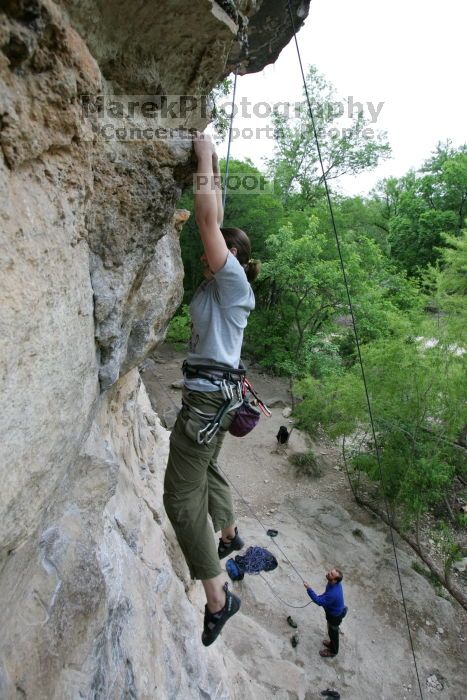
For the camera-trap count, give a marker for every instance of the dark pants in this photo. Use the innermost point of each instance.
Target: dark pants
(333, 630)
(194, 487)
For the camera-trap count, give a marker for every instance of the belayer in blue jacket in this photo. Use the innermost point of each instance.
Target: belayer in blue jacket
(332, 600)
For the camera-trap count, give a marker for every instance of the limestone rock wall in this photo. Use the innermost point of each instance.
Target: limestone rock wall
(94, 605)
(90, 275)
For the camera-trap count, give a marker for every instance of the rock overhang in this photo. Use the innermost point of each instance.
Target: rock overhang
(178, 47)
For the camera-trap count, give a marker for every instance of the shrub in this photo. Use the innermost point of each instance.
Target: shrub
(179, 329)
(305, 464)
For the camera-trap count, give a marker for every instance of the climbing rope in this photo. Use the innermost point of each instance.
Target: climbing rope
(273, 540)
(256, 559)
(227, 160)
(284, 602)
(357, 343)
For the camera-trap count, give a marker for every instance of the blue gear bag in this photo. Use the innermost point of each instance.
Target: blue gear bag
(233, 570)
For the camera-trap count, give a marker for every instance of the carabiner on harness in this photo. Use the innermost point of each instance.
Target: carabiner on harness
(206, 434)
(227, 390)
(248, 388)
(212, 421)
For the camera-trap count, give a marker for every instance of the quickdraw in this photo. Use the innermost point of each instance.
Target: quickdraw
(234, 387)
(248, 388)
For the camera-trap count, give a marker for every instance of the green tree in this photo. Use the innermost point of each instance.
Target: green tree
(419, 208)
(219, 116)
(417, 385)
(307, 282)
(448, 284)
(417, 394)
(306, 295)
(295, 166)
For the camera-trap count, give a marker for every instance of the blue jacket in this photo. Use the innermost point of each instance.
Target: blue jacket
(332, 600)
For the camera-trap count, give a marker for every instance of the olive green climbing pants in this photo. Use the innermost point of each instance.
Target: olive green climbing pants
(194, 487)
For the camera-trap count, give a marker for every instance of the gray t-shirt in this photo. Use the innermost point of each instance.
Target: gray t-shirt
(219, 311)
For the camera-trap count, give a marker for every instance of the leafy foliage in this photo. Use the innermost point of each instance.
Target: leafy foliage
(417, 395)
(419, 208)
(295, 166)
(305, 464)
(179, 329)
(303, 295)
(219, 115)
(448, 284)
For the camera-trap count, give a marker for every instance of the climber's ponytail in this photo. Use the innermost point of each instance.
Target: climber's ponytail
(236, 238)
(252, 269)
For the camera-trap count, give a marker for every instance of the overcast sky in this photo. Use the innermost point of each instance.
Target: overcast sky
(408, 54)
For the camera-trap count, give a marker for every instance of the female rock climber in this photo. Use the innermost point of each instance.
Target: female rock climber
(193, 486)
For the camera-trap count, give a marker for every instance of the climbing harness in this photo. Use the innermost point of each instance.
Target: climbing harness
(234, 388)
(229, 382)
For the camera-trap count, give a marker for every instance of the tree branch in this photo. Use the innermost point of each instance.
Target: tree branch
(441, 575)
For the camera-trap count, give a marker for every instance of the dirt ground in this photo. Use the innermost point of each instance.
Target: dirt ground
(320, 526)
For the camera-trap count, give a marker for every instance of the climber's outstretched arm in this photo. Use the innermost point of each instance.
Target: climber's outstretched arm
(218, 185)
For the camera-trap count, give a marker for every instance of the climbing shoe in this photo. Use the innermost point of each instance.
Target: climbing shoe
(292, 622)
(234, 544)
(214, 622)
(294, 640)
